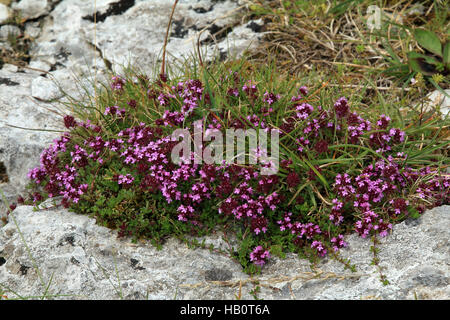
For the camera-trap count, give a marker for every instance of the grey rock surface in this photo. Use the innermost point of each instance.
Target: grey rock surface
(132, 31)
(19, 148)
(437, 99)
(31, 9)
(8, 31)
(87, 261)
(5, 13)
(45, 89)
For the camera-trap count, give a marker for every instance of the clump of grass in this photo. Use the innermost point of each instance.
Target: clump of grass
(413, 45)
(343, 167)
(333, 37)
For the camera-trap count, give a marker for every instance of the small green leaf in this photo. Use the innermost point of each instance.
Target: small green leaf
(446, 55)
(429, 40)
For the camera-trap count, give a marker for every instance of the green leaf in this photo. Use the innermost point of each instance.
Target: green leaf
(446, 55)
(422, 63)
(413, 213)
(428, 40)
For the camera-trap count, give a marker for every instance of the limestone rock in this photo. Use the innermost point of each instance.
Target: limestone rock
(132, 31)
(31, 9)
(7, 31)
(45, 89)
(32, 29)
(5, 13)
(20, 148)
(83, 258)
(437, 99)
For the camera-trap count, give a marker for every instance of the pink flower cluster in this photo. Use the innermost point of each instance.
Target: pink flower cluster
(357, 126)
(58, 179)
(338, 243)
(125, 179)
(379, 183)
(117, 83)
(259, 256)
(270, 98)
(114, 110)
(318, 245)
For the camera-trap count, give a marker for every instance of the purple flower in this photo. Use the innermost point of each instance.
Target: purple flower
(321, 251)
(114, 111)
(383, 123)
(125, 179)
(250, 89)
(304, 110)
(12, 207)
(292, 179)
(338, 242)
(271, 98)
(259, 256)
(303, 90)
(233, 92)
(399, 205)
(117, 83)
(321, 146)
(259, 224)
(285, 223)
(132, 103)
(341, 107)
(69, 122)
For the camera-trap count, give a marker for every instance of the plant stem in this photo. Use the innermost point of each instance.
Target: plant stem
(163, 66)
